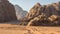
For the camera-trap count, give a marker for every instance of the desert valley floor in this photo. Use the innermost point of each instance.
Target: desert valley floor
(17, 29)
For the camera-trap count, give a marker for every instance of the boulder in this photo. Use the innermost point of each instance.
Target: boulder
(52, 17)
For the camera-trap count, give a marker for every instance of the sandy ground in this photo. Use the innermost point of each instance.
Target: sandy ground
(17, 29)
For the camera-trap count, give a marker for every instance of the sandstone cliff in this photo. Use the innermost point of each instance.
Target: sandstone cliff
(50, 15)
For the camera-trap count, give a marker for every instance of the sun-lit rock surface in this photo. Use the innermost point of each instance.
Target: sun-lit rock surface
(34, 11)
(51, 12)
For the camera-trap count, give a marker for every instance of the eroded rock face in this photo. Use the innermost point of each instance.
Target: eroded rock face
(35, 11)
(7, 11)
(41, 20)
(51, 12)
(37, 20)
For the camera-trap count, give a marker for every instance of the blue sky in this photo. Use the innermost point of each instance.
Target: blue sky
(27, 4)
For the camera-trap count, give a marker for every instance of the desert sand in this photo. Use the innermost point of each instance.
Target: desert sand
(18, 29)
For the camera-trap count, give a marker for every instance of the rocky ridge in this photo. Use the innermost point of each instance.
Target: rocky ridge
(48, 15)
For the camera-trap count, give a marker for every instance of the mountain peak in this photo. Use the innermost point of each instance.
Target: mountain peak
(37, 4)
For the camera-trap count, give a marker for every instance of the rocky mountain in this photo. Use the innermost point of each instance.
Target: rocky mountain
(44, 15)
(7, 11)
(34, 11)
(20, 13)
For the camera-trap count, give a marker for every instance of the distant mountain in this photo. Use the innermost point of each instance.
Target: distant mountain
(20, 13)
